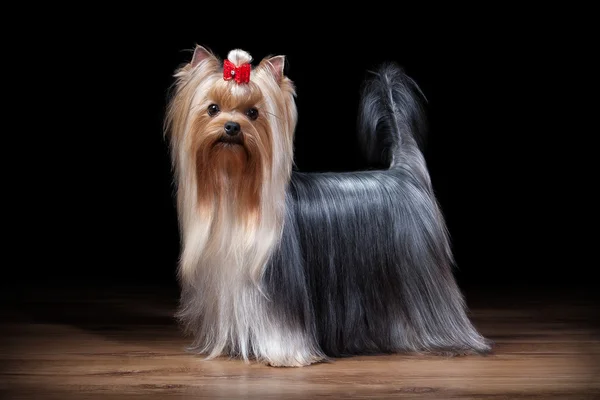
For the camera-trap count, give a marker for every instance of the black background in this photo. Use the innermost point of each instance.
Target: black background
(507, 148)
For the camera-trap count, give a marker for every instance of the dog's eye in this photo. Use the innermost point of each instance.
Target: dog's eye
(252, 113)
(213, 110)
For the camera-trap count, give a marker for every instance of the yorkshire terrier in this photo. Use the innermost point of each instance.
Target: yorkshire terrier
(290, 268)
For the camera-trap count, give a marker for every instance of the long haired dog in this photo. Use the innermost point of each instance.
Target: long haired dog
(293, 268)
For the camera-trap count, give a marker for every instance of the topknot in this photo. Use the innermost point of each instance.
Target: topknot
(239, 57)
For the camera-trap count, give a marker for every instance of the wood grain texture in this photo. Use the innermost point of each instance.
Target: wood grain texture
(123, 343)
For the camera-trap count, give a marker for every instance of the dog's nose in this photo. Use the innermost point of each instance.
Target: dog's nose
(232, 128)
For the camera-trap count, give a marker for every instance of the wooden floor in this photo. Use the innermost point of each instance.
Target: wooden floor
(123, 343)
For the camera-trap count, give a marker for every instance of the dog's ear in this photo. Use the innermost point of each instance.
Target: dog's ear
(275, 65)
(200, 54)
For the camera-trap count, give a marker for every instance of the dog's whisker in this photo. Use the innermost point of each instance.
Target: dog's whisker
(273, 115)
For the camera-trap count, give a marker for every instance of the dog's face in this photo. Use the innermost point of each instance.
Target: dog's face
(231, 136)
(231, 129)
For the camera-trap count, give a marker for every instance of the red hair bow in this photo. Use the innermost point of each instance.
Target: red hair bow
(241, 74)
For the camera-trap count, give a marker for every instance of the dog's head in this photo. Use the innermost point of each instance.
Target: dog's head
(232, 124)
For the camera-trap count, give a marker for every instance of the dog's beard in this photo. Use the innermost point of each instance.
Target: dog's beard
(230, 205)
(230, 174)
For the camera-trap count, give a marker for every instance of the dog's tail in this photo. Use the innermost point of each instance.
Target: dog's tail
(392, 122)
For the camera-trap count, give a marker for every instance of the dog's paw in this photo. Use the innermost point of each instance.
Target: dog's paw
(289, 362)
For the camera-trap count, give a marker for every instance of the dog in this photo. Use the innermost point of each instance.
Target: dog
(290, 268)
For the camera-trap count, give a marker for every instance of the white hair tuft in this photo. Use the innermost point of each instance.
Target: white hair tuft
(239, 57)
